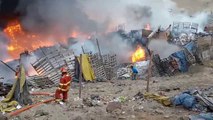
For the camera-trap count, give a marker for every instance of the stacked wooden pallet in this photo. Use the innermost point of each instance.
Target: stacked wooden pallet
(54, 58)
(110, 63)
(105, 67)
(98, 67)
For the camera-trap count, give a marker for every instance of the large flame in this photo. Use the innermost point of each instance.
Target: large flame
(21, 41)
(139, 54)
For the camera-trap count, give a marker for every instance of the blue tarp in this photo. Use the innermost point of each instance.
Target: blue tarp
(188, 101)
(183, 63)
(191, 47)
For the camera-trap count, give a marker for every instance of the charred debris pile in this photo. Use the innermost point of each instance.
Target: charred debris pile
(195, 47)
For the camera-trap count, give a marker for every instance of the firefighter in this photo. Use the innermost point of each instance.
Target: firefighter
(64, 86)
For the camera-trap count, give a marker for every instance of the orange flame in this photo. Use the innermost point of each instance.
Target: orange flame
(74, 34)
(21, 41)
(148, 27)
(139, 54)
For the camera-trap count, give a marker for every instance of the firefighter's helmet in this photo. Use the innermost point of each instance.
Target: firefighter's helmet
(64, 70)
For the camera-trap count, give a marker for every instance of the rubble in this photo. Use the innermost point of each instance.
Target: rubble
(4, 89)
(39, 113)
(138, 96)
(112, 106)
(3, 117)
(40, 82)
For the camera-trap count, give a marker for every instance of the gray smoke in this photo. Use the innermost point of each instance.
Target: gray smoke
(3, 47)
(138, 14)
(27, 60)
(114, 43)
(163, 48)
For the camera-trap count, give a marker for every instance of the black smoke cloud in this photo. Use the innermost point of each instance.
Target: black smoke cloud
(8, 11)
(55, 16)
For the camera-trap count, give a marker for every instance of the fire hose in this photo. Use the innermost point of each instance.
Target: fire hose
(14, 113)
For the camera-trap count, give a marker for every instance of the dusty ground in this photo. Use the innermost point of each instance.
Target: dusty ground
(142, 109)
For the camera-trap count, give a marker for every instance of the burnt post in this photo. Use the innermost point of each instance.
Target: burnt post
(83, 49)
(149, 71)
(99, 51)
(80, 77)
(211, 38)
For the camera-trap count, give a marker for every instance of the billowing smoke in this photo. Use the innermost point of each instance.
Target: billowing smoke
(27, 60)
(163, 48)
(136, 13)
(110, 43)
(3, 47)
(81, 46)
(59, 17)
(139, 14)
(114, 43)
(62, 17)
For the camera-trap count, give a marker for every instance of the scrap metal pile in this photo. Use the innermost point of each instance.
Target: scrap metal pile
(185, 35)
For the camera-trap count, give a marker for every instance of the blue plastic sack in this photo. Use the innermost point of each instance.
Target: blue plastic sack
(182, 60)
(188, 101)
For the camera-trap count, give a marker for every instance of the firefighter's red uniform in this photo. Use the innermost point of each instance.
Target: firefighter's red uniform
(64, 86)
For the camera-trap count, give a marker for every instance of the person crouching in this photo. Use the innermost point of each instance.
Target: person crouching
(134, 73)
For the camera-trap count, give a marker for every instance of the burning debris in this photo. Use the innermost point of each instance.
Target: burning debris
(21, 40)
(139, 54)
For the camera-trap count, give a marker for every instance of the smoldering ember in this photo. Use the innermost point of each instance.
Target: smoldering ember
(106, 60)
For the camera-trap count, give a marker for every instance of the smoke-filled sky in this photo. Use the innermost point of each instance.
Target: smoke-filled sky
(61, 17)
(93, 15)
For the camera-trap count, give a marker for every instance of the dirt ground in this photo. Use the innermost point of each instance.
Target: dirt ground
(198, 77)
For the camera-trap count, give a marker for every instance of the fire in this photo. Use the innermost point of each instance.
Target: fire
(21, 41)
(10, 48)
(74, 34)
(139, 54)
(148, 27)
